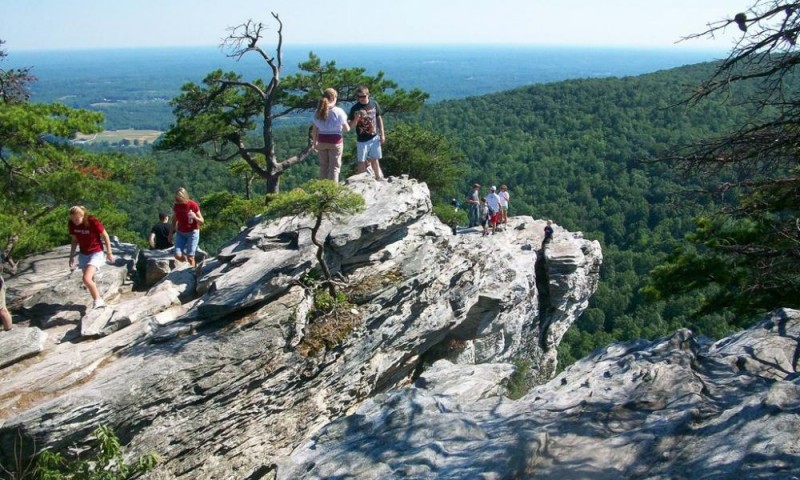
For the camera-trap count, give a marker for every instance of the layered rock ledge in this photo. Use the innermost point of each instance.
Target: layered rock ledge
(205, 369)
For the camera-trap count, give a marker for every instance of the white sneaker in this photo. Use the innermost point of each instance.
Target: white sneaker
(99, 303)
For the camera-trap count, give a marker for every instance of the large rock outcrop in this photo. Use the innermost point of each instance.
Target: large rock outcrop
(670, 409)
(217, 372)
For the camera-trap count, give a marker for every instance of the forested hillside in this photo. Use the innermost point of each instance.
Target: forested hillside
(577, 152)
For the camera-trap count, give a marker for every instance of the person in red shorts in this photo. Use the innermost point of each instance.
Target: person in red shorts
(90, 235)
(185, 231)
(493, 202)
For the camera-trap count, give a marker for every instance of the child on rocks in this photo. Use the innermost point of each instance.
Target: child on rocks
(485, 216)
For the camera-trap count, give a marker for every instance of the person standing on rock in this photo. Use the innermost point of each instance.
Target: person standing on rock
(366, 117)
(330, 122)
(504, 198)
(484, 216)
(493, 201)
(90, 235)
(5, 316)
(474, 201)
(548, 233)
(159, 234)
(185, 231)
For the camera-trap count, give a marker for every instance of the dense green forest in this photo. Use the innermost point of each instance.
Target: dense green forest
(579, 152)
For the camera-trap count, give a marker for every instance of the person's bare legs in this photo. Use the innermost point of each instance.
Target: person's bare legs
(376, 168)
(88, 280)
(6, 317)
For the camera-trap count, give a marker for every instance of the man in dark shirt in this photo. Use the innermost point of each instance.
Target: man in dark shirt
(159, 234)
(365, 118)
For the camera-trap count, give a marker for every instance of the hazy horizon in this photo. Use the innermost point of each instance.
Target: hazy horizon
(85, 24)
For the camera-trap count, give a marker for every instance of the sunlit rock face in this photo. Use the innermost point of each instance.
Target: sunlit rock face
(210, 368)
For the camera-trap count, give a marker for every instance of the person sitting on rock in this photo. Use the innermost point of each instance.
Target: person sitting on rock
(88, 233)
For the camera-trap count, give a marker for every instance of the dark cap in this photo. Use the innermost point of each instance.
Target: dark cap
(163, 214)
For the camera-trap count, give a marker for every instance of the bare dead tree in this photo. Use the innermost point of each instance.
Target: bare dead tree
(223, 117)
(767, 54)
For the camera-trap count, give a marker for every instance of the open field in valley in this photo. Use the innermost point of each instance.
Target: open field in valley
(116, 136)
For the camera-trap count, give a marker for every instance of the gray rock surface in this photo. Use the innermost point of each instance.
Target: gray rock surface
(670, 409)
(213, 368)
(50, 294)
(20, 343)
(226, 384)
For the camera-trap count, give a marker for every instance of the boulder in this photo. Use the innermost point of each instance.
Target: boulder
(674, 408)
(95, 320)
(50, 294)
(20, 343)
(154, 265)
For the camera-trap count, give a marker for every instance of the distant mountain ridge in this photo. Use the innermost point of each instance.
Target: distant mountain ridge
(133, 85)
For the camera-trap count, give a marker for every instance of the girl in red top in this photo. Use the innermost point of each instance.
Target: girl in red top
(88, 233)
(185, 226)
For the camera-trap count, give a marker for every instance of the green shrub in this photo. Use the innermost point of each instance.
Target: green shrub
(449, 216)
(105, 462)
(518, 384)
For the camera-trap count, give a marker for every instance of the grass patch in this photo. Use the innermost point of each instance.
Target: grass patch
(361, 292)
(330, 323)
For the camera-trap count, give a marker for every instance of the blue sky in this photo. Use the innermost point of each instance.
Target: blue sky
(73, 24)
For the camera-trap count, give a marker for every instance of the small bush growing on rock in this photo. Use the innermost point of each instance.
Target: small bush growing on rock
(319, 199)
(518, 383)
(450, 217)
(325, 303)
(104, 461)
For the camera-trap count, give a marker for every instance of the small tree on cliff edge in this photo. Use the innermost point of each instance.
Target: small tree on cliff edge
(218, 117)
(320, 199)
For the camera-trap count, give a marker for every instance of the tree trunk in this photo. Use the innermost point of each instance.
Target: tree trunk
(273, 183)
(321, 257)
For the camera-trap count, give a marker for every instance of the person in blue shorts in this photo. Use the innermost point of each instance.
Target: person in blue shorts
(185, 231)
(365, 118)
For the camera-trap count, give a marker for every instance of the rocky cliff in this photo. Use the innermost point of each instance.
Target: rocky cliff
(675, 408)
(223, 371)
